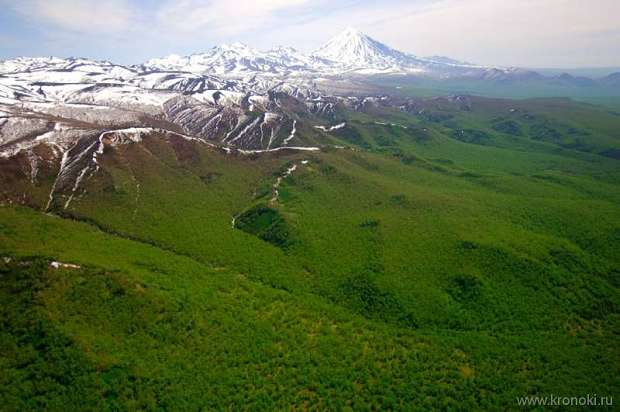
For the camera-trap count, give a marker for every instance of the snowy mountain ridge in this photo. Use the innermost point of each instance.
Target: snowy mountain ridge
(351, 51)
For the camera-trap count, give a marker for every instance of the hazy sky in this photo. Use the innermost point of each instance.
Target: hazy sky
(532, 33)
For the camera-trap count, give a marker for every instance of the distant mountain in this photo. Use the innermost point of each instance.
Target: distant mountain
(566, 79)
(352, 49)
(350, 52)
(448, 60)
(235, 59)
(611, 80)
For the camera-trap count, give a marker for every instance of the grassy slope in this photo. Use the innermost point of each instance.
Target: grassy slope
(422, 272)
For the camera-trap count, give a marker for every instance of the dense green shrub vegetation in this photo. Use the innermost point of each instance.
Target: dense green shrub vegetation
(267, 224)
(509, 127)
(471, 136)
(417, 269)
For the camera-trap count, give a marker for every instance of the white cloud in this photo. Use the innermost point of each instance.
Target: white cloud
(86, 16)
(221, 17)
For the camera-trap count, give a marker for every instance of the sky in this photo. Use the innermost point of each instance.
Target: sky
(524, 33)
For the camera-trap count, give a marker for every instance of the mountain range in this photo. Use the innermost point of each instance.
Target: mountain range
(350, 52)
(232, 95)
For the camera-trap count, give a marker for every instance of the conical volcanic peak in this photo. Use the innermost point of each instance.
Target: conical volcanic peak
(355, 49)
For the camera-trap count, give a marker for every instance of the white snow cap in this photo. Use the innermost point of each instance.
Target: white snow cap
(354, 48)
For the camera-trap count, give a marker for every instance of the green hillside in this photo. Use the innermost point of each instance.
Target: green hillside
(446, 258)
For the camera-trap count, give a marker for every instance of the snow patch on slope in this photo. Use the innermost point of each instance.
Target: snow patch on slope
(331, 128)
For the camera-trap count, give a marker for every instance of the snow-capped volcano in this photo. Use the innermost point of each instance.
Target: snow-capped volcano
(354, 49)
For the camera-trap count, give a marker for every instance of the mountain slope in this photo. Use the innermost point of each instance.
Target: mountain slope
(449, 238)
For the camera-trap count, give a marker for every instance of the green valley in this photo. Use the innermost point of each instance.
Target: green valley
(453, 255)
